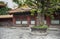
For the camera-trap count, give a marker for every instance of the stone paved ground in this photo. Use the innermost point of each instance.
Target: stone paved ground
(25, 33)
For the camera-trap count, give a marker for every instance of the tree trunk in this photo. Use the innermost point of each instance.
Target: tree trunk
(40, 19)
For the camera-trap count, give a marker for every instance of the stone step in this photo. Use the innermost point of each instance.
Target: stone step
(39, 34)
(53, 29)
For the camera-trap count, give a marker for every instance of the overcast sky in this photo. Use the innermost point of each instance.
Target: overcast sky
(10, 4)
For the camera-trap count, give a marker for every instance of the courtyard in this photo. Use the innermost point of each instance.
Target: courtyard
(25, 33)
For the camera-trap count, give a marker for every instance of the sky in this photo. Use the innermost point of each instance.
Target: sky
(10, 4)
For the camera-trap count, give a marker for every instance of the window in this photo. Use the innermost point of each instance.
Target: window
(44, 21)
(18, 21)
(54, 21)
(32, 21)
(24, 20)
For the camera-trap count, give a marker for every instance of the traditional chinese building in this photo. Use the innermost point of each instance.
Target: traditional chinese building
(22, 17)
(5, 19)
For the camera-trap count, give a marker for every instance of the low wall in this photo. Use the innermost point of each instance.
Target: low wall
(6, 22)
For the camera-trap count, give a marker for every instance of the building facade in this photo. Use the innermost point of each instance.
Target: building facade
(23, 17)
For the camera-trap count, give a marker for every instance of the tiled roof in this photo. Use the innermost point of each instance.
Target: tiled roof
(6, 16)
(2, 4)
(22, 9)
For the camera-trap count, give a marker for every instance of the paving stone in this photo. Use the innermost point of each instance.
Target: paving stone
(25, 33)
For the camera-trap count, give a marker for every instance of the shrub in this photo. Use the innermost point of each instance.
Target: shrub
(41, 27)
(1, 2)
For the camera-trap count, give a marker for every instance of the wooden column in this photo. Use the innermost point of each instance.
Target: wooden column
(21, 17)
(28, 19)
(35, 21)
(14, 21)
(48, 20)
